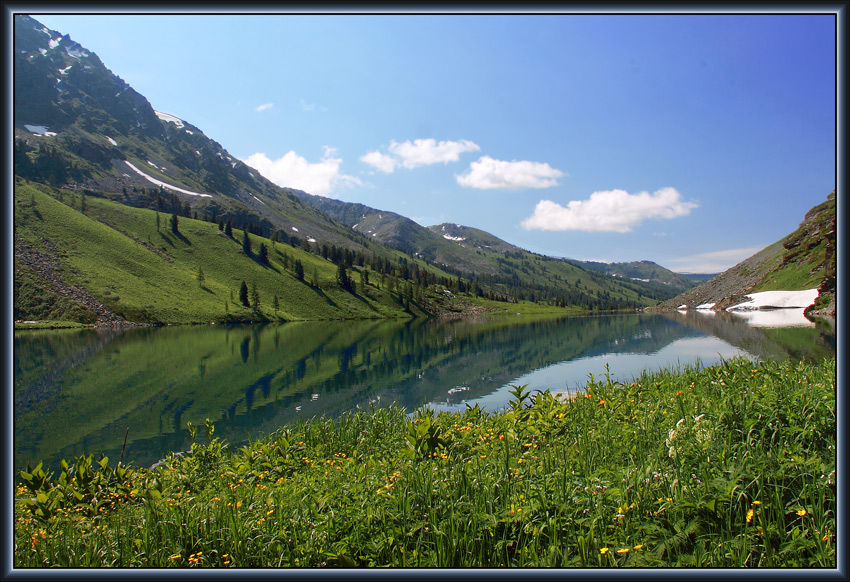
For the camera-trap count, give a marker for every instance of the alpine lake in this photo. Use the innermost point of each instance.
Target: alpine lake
(128, 394)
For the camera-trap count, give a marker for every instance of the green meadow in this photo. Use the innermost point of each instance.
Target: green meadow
(726, 466)
(132, 261)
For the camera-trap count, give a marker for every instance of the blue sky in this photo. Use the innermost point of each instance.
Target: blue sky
(690, 140)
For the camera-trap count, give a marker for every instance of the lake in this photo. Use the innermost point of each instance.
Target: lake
(79, 392)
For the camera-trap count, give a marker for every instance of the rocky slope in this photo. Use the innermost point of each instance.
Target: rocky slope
(805, 259)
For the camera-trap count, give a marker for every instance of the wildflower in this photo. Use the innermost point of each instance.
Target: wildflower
(501, 437)
(756, 502)
(639, 546)
(623, 551)
(801, 513)
(750, 514)
(175, 557)
(603, 551)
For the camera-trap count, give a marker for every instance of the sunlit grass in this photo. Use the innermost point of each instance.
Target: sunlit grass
(728, 466)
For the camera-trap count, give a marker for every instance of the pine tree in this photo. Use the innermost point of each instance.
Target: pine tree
(255, 297)
(246, 244)
(299, 270)
(174, 228)
(243, 294)
(228, 229)
(157, 221)
(264, 254)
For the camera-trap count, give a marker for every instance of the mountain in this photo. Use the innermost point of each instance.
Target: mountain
(492, 262)
(647, 272)
(85, 139)
(805, 259)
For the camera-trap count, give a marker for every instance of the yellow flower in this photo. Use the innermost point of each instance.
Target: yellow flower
(750, 514)
(623, 551)
(603, 551)
(756, 502)
(801, 513)
(639, 546)
(175, 557)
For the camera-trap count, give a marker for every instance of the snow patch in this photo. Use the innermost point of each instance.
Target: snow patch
(295, 229)
(258, 200)
(682, 308)
(53, 43)
(776, 300)
(163, 184)
(112, 141)
(76, 52)
(190, 132)
(65, 70)
(151, 164)
(36, 129)
(707, 306)
(312, 240)
(168, 118)
(455, 238)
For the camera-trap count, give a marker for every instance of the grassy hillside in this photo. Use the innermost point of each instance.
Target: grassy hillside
(149, 274)
(494, 264)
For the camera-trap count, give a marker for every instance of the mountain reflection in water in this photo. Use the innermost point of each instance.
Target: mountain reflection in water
(78, 391)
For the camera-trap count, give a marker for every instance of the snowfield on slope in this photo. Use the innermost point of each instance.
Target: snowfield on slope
(163, 184)
(776, 300)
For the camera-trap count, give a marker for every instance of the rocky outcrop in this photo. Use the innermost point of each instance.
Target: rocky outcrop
(47, 267)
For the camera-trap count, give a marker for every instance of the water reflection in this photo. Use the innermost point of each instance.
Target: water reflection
(78, 392)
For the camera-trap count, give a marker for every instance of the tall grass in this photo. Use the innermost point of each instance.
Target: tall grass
(728, 466)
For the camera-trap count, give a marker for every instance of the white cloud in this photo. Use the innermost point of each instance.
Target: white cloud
(712, 262)
(488, 174)
(263, 107)
(293, 171)
(419, 152)
(379, 161)
(608, 211)
(424, 152)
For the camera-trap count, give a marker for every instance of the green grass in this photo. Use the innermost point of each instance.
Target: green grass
(151, 275)
(728, 466)
(146, 273)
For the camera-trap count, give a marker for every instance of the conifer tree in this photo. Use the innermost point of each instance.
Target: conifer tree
(264, 254)
(243, 294)
(255, 297)
(174, 228)
(246, 244)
